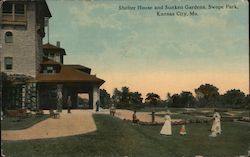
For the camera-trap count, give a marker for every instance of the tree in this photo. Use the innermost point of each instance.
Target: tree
(176, 100)
(125, 95)
(207, 91)
(105, 99)
(169, 100)
(187, 98)
(152, 98)
(234, 98)
(207, 94)
(135, 98)
(116, 96)
(125, 99)
(184, 99)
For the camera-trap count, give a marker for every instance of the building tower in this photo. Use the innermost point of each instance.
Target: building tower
(22, 31)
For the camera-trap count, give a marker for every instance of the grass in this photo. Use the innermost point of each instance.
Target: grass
(159, 109)
(188, 117)
(14, 123)
(117, 138)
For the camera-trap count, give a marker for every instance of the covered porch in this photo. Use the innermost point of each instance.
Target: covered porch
(52, 94)
(66, 82)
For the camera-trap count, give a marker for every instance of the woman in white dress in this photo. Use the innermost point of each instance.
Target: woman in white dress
(216, 127)
(166, 129)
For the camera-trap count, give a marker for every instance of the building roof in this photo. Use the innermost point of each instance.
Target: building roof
(47, 12)
(47, 61)
(69, 74)
(52, 48)
(79, 67)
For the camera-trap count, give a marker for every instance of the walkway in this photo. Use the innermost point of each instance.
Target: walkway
(78, 122)
(142, 116)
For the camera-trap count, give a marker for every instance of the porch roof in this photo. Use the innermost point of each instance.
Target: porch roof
(68, 74)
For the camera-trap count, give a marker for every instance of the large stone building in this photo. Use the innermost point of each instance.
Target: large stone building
(22, 31)
(22, 53)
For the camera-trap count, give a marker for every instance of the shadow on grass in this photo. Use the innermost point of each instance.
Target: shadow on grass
(13, 123)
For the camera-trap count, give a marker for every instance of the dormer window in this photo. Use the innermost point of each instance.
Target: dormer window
(51, 55)
(49, 70)
(8, 37)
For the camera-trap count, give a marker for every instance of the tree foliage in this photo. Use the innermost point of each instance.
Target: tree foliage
(105, 98)
(207, 95)
(184, 99)
(11, 90)
(124, 98)
(207, 91)
(234, 98)
(152, 98)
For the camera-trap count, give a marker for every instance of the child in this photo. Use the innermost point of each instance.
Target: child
(183, 130)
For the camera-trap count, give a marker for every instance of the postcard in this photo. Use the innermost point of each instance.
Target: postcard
(125, 78)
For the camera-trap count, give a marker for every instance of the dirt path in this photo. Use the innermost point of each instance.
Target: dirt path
(78, 122)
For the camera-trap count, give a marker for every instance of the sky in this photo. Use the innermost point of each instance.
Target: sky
(150, 53)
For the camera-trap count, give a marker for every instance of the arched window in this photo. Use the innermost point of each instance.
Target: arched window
(8, 37)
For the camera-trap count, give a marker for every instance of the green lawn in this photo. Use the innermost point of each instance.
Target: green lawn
(117, 138)
(159, 109)
(13, 123)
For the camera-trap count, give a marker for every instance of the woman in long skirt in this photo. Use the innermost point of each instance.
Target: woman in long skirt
(216, 127)
(167, 129)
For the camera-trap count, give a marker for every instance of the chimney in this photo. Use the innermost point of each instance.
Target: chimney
(58, 43)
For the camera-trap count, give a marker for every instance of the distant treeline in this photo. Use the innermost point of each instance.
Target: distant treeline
(206, 95)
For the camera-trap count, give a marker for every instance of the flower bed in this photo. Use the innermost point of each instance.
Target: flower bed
(181, 122)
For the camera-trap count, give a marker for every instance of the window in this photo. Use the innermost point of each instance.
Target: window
(14, 12)
(8, 37)
(19, 9)
(8, 62)
(7, 8)
(51, 55)
(50, 70)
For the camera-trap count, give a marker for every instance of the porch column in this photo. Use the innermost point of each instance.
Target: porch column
(37, 96)
(74, 97)
(59, 97)
(96, 96)
(29, 94)
(91, 99)
(65, 96)
(23, 96)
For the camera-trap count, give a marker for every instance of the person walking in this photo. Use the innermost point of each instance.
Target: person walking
(97, 105)
(69, 103)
